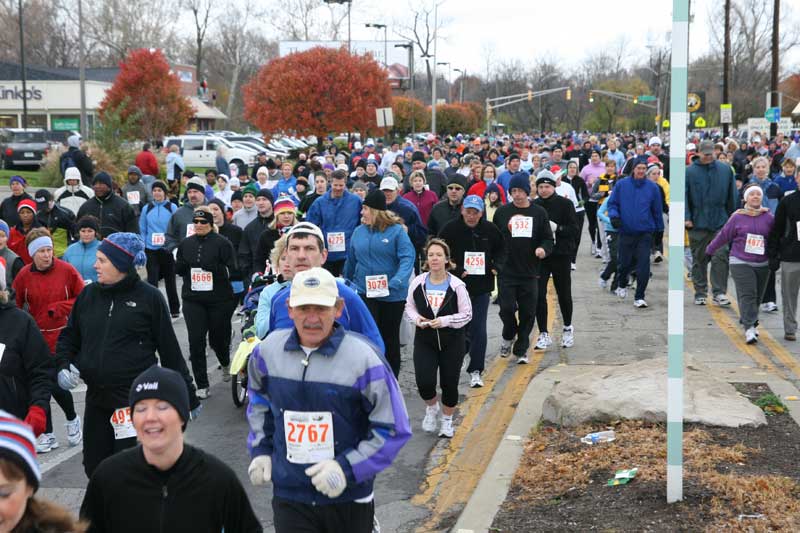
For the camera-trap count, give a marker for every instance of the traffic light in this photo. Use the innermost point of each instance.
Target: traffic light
(591, 96)
(635, 100)
(569, 94)
(530, 95)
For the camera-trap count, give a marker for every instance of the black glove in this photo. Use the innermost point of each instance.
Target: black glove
(616, 223)
(774, 264)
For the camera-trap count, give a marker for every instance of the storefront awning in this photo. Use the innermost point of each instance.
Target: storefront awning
(204, 111)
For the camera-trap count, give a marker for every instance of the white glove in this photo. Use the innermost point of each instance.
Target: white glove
(260, 470)
(328, 478)
(68, 379)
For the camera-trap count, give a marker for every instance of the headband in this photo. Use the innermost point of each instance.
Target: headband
(38, 243)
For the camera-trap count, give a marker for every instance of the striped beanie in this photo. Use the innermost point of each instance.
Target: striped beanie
(18, 445)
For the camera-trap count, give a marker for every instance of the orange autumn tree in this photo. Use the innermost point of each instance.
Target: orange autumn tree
(320, 91)
(148, 96)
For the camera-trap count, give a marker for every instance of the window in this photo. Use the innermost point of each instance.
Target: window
(193, 144)
(211, 144)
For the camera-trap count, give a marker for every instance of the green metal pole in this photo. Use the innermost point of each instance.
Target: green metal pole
(678, 120)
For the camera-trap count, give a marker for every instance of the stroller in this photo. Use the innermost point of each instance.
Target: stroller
(238, 368)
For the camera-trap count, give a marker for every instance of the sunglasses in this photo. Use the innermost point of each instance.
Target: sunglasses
(455, 188)
(201, 221)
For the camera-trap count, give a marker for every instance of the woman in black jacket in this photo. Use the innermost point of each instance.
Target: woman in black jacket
(112, 335)
(25, 363)
(205, 261)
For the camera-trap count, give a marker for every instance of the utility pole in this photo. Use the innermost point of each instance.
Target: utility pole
(22, 66)
(410, 48)
(463, 74)
(726, 64)
(433, 89)
(776, 16)
(82, 71)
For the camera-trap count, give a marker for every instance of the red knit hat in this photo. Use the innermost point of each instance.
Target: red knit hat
(284, 203)
(30, 204)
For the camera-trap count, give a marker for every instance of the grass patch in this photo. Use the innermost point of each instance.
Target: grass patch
(770, 404)
(33, 177)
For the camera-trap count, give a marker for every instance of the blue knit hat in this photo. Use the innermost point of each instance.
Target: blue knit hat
(520, 180)
(124, 250)
(4, 227)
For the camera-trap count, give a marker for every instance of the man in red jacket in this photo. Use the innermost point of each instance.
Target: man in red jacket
(146, 161)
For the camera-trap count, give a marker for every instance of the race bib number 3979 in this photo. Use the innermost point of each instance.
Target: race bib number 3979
(309, 436)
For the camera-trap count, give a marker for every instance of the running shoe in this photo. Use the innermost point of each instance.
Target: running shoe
(46, 442)
(750, 336)
(446, 429)
(699, 300)
(721, 300)
(573, 266)
(790, 336)
(594, 250)
(544, 341)
(568, 337)
(522, 359)
(658, 257)
(431, 414)
(202, 394)
(622, 292)
(769, 307)
(475, 380)
(505, 348)
(226, 373)
(639, 303)
(74, 435)
(603, 283)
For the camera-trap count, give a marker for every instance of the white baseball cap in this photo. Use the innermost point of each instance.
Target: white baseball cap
(315, 286)
(307, 227)
(389, 184)
(655, 140)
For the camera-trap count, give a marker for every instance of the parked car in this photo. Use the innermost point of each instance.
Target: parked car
(200, 151)
(57, 139)
(23, 147)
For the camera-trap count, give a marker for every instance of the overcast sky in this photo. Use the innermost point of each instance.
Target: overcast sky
(526, 30)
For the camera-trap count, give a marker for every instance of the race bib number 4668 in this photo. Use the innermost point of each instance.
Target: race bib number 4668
(309, 436)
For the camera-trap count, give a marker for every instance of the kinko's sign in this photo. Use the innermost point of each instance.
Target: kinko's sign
(15, 93)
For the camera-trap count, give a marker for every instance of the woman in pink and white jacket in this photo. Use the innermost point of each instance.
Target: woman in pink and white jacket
(438, 304)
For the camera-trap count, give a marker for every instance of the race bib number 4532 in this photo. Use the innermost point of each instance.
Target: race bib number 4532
(309, 436)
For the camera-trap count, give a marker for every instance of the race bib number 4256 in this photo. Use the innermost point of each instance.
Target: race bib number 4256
(309, 436)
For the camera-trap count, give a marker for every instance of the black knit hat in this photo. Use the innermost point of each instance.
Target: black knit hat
(376, 200)
(237, 195)
(418, 156)
(103, 177)
(265, 193)
(161, 384)
(89, 221)
(158, 184)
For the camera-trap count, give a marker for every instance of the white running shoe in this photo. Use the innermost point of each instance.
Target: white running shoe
(46, 442)
(522, 359)
(475, 380)
(721, 300)
(226, 373)
(573, 266)
(431, 414)
(750, 336)
(639, 303)
(505, 348)
(658, 257)
(603, 283)
(769, 307)
(544, 341)
(446, 429)
(202, 394)
(74, 435)
(568, 337)
(594, 249)
(622, 292)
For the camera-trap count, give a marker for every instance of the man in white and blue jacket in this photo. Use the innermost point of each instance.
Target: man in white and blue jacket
(326, 415)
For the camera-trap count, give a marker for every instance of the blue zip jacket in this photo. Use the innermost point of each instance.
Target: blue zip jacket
(82, 257)
(387, 252)
(154, 219)
(355, 316)
(786, 183)
(770, 193)
(264, 310)
(711, 195)
(638, 204)
(336, 214)
(287, 188)
(405, 209)
(602, 216)
(344, 377)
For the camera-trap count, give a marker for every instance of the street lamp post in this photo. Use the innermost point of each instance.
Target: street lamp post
(349, 3)
(385, 41)
(22, 67)
(410, 48)
(433, 89)
(461, 83)
(449, 84)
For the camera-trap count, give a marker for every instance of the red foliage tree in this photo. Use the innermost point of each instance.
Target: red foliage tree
(456, 118)
(320, 91)
(148, 95)
(403, 108)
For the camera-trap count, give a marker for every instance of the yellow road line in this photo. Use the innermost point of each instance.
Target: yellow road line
(453, 480)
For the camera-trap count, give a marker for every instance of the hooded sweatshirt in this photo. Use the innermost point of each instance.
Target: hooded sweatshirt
(72, 197)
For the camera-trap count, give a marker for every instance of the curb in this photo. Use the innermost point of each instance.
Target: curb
(492, 489)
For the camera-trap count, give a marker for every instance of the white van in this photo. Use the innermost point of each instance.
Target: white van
(200, 151)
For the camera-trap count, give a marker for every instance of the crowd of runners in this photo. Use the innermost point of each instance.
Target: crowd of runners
(353, 253)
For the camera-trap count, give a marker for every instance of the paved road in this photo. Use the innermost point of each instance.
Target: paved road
(432, 479)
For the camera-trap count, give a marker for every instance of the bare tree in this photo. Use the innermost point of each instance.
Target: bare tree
(48, 40)
(420, 31)
(201, 14)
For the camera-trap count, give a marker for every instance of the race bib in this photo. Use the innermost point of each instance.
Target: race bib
(377, 286)
(157, 239)
(475, 263)
(122, 423)
(202, 281)
(133, 197)
(336, 241)
(435, 299)
(189, 230)
(309, 436)
(521, 226)
(754, 244)
(798, 230)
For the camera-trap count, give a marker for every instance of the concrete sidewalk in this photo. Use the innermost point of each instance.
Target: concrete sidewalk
(492, 489)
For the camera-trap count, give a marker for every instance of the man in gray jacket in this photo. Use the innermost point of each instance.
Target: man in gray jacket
(710, 200)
